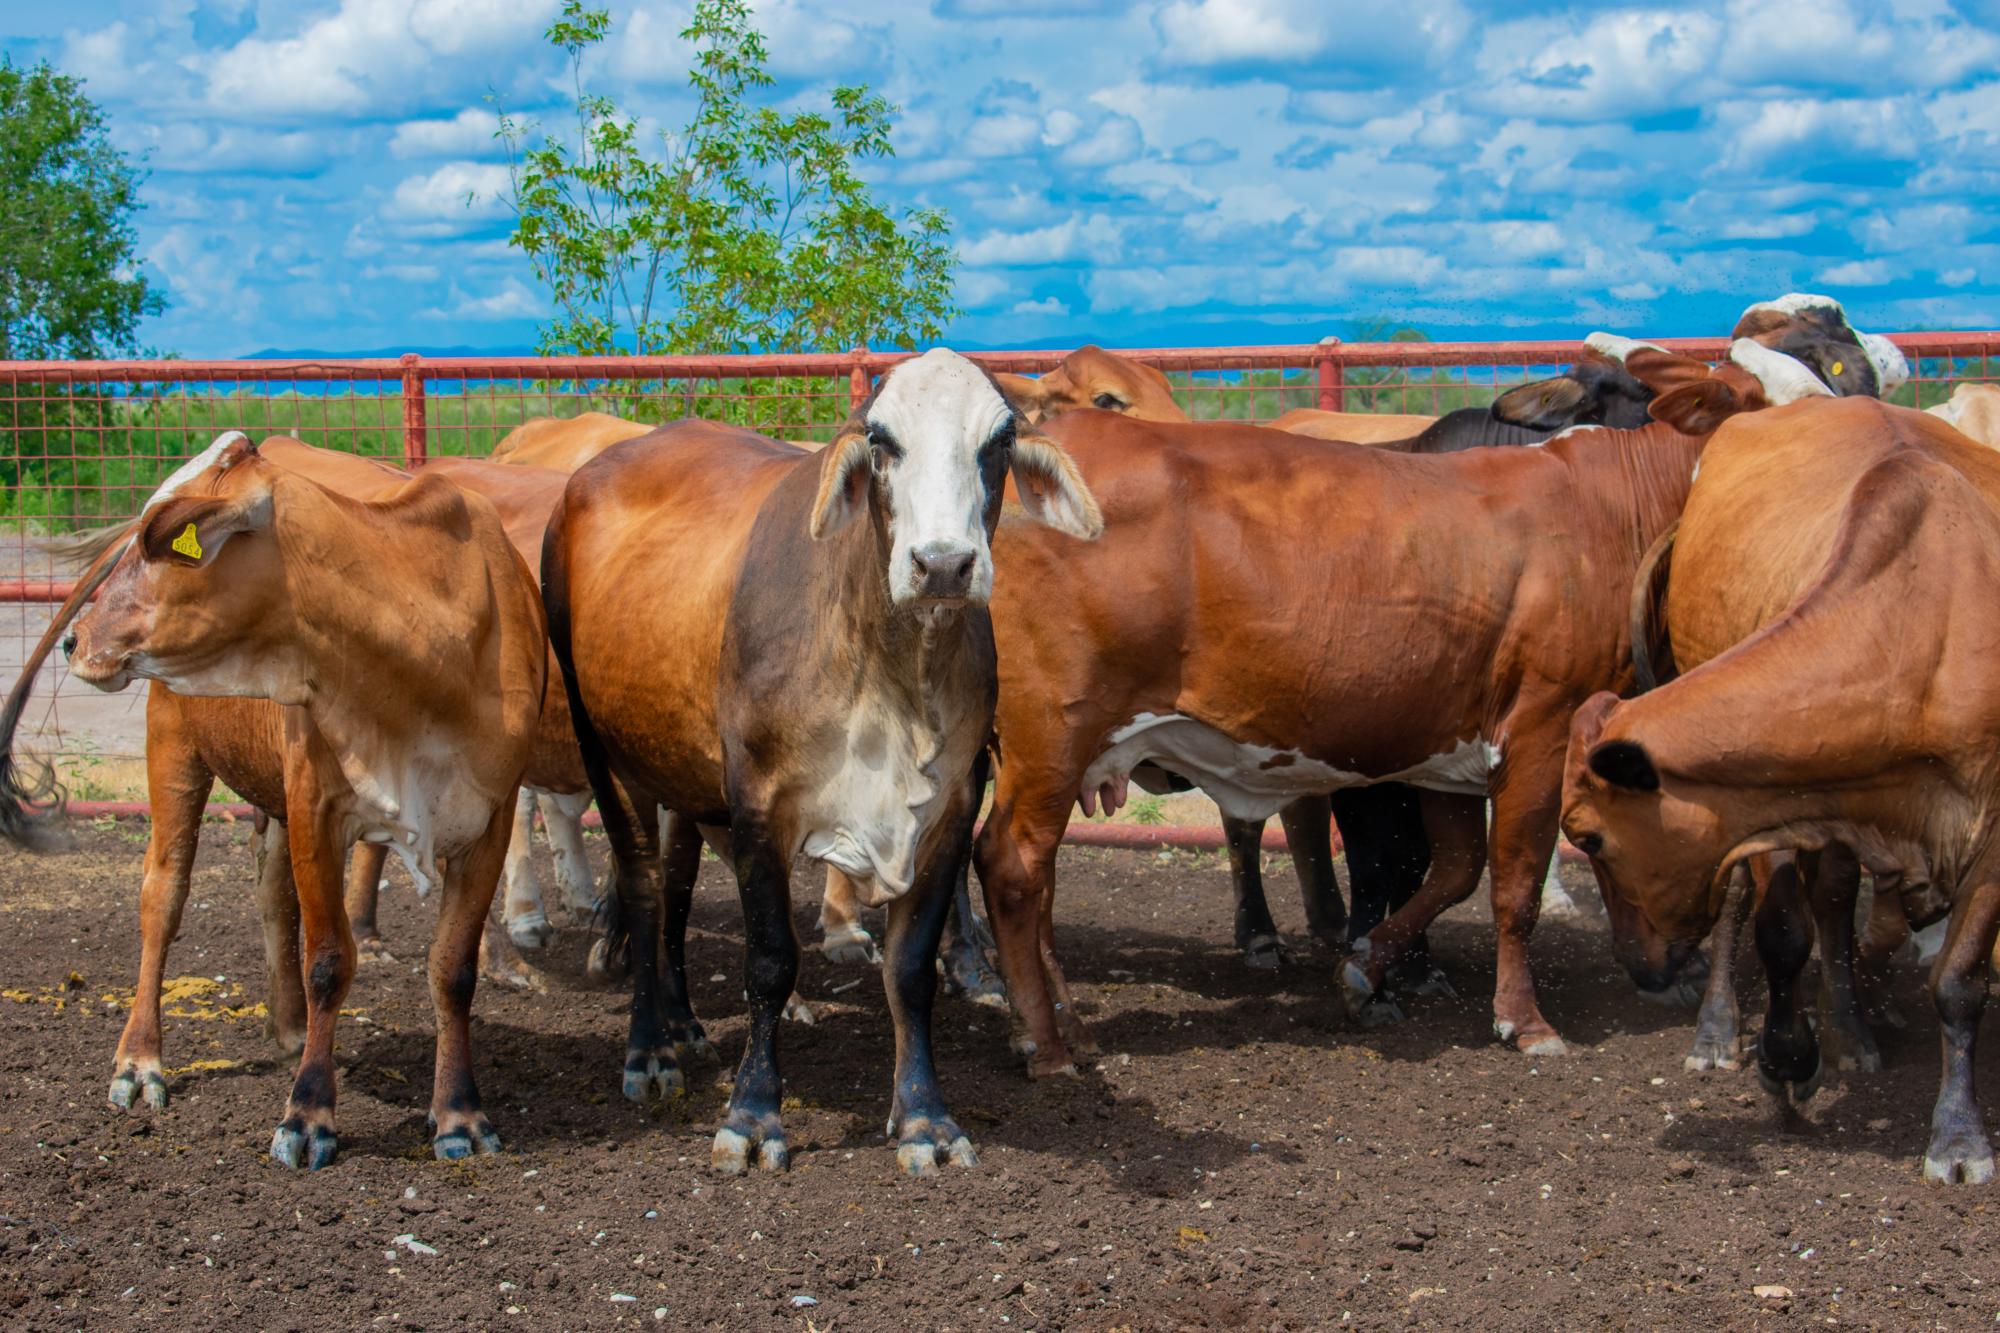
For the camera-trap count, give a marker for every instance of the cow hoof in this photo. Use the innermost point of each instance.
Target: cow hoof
(1355, 985)
(462, 1140)
(371, 949)
(1541, 1040)
(608, 964)
(1775, 1082)
(289, 1041)
(976, 983)
(650, 1072)
(293, 1145)
(132, 1084)
(515, 974)
(928, 1149)
(1433, 984)
(531, 931)
(1053, 1065)
(850, 945)
(1865, 1062)
(1381, 1012)
(1710, 1054)
(731, 1153)
(1265, 953)
(689, 1040)
(1961, 1159)
(1550, 1045)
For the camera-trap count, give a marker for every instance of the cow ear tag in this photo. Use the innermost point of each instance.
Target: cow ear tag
(186, 544)
(1839, 366)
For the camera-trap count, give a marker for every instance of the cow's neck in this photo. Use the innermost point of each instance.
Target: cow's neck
(1632, 483)
(911, 651)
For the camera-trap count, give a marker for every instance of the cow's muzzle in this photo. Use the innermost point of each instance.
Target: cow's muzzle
(942, 571)
(1664, 976)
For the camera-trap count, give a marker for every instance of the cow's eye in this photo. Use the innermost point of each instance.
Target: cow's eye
(1110, 402)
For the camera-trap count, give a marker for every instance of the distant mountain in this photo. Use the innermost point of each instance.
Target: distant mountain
(324, 354)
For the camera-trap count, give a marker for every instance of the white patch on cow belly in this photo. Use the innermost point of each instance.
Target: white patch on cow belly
(421, 808)
(194, 467)
(871, 813)
(1250, 781)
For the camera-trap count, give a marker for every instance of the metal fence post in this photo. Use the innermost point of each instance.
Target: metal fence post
(857, 379)
(416, 447)
(1330, 376)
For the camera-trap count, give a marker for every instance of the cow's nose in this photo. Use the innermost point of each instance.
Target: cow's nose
(69, 645)
(943, 569)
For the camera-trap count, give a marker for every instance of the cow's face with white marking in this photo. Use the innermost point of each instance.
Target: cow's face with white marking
(928, 458)
(1814, 331)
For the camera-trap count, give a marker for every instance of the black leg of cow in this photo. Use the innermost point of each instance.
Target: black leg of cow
(650, 1062)
(968, 945)
(680, 866)
(1256, 933)
(1959, 1148)
(924, 1131)
(1717, 1030)
(1836, 888)
(611, 952)
(1309, 838)
(1388, 855)
(1455, 834)
(1788, 1050)
(770, 970)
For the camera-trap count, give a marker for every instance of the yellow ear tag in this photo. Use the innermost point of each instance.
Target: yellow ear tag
(186, 544)
(1839, 366)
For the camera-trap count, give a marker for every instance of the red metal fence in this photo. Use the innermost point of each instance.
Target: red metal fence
(84, 443)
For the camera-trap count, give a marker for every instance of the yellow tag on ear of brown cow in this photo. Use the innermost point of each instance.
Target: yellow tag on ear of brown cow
(1839, 366)
(187, 544)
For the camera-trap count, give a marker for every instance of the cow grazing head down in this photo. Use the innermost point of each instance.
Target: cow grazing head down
(928, 455)
(1093, 377)
(1652, 845)
(1814, 331)
(196, 589)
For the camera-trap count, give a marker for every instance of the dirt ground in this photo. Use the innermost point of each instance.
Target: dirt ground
(1239, 1158)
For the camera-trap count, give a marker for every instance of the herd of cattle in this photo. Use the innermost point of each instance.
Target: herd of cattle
(1728, 627)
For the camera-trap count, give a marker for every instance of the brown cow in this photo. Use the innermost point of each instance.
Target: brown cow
(1862, 713)
(812, 666)
(1093, 377)
(364, 621)
(1974, 409)
(1430, 620)
(1353, 427)
(564, 444)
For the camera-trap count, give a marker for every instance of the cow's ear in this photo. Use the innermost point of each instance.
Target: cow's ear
(1548, 404)
(1025, 394)
(844, 474)
(1052, 490)
(192, 530)
(1697, 408)
(1625, 764)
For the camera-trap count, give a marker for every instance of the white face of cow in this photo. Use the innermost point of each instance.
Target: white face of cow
(933, 453)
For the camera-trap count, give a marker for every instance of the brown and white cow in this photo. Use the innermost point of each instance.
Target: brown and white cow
(368, 623)
(1274, 617)
(1093, 377)
(1844, 698)
(1815, 331)
(812, 666)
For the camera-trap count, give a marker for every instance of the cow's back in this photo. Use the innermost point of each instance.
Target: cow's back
(664, 520)
(565, 444)
(1767, 507)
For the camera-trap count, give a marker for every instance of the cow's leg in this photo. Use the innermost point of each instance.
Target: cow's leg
(527, 921)
(650, 1061)
(1455, 828)
(1016, 855)
(1388, 856)
(770, 971)
(924, 1131)
(1884, 939)
(1256, 933)
(278, 910)
(1836, 886)
(841, 936)
(562, 820)
(458, 1125)
(305, 1137)
(1959, 1148)
(680, 867)
(1527, 798)
(1717, 1029)
(177, 784)
(1788, 1053)
(968, 945)
(363, 893)
(1309, 839)
(1067, 1018)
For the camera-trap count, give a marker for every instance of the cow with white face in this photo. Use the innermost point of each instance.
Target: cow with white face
(792, 650)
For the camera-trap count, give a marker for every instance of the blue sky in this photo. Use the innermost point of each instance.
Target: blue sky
(1185, 171)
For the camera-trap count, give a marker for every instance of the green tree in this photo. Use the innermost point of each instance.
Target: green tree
(69, 285)
(750, 229)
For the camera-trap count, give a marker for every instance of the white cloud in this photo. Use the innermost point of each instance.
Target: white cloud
(511, 300)
(1959, 277)
(1855, 273)
(1095, 238)
(1115, 140)
(457, 196)
(1048, 306)
(805, 42)
(1357, 34)
(1003, 134)
(471, 131)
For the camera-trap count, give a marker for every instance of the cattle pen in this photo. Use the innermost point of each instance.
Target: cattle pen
(83, 443)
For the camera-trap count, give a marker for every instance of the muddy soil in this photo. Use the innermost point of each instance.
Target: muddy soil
(1240, 1157)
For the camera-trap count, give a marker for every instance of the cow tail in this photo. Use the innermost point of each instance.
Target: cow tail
(1652, 647)
(596, 760)
(31, 797)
